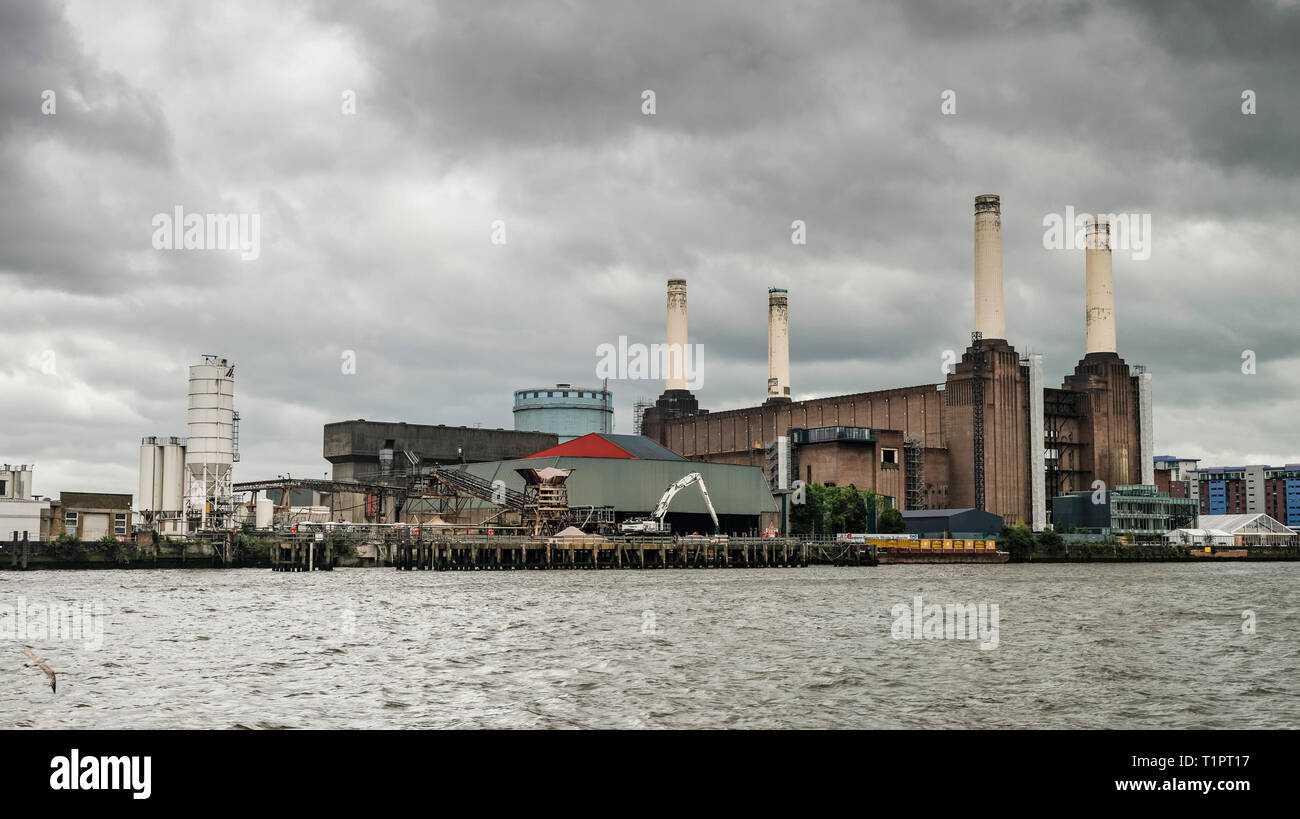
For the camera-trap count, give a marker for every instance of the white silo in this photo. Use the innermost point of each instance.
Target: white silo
(263, 513)
(173, 478)
(210, 451)
(159, 477)
(146, 500)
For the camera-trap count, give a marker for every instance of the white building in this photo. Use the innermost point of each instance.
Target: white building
(19, 512)
(1199, 537)
(1255, 529)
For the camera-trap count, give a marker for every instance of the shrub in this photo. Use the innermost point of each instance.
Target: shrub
(891, 522)
(1050, 541)
(342, 544)
(254, 549)
(68, 547)
(1018, 539)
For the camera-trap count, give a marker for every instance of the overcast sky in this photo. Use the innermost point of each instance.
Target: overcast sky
(376, 227)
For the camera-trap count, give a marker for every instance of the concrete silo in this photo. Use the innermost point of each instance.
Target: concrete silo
(161, 499)
(150, 489)
(210, 451)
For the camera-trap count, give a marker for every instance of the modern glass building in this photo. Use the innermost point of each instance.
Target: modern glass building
(1137, 509)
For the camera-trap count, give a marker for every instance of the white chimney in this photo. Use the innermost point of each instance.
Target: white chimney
(675, 377)
(989, 318)
(1100, 288)
(778, 344)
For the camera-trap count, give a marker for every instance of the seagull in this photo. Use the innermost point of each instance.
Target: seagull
(39, 662)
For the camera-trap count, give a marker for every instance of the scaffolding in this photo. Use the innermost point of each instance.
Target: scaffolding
(638, 414)
(977, 416)
(914, 473)
(1064, 456)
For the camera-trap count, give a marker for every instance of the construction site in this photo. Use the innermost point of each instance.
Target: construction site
(600, 483)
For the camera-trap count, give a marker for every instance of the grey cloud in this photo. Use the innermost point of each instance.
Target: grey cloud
(375, 227)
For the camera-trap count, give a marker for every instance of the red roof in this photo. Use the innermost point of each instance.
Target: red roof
(609, 445)
(591, 445)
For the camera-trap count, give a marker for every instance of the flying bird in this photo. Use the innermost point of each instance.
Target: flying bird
(39, 662)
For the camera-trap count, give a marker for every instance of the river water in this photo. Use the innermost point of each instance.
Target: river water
(1078, 646)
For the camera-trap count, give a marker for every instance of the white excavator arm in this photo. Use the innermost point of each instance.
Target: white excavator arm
(661, 509)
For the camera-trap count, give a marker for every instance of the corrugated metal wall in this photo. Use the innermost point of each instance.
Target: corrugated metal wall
(631, 485)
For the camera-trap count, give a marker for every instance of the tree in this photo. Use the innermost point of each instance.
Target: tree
(809, 518)
(1018, 539)
(834, 509)
(848, 509)
(891, 522)
(1051, 542)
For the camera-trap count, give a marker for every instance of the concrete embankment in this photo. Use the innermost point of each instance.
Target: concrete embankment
(1119, 553)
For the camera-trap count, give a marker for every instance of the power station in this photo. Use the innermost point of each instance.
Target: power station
(992, 436)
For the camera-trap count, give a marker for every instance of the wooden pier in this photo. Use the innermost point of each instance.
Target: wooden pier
(19, 549)
(302, 556)
(483, 553)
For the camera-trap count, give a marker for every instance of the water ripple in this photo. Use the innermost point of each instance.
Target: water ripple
(1111, 646)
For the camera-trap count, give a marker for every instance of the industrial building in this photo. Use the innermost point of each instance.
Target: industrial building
(595, 482)
(952, 523)
(568, 411)
(367, 449)
(993, 436)
(20, 511)
(1134, 510)
(186, 484)
(617, 477)
(378, 452)
(90, 516)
